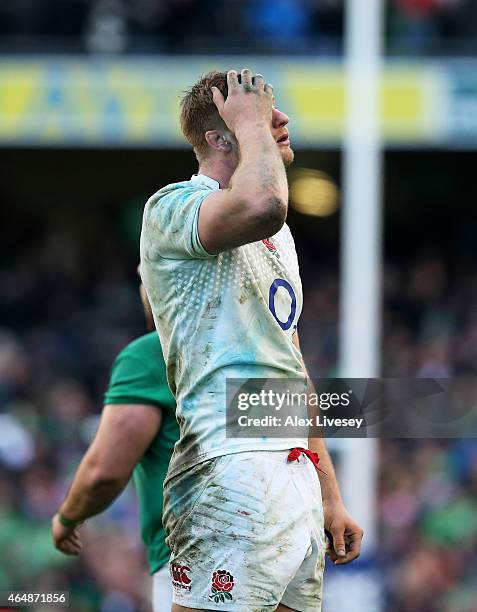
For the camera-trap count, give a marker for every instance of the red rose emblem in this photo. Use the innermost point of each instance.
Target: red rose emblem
(271, 247)
(269, 244)
(222, 584)
(222, 581)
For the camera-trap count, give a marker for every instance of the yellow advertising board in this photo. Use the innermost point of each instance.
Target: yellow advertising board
(135, 102)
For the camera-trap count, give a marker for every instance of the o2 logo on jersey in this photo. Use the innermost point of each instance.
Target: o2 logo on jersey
(277, 283)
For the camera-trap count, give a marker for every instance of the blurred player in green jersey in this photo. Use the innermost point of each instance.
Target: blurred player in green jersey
(136, 436)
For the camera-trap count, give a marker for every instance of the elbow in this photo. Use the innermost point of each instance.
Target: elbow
(99, 478)
(270, 214)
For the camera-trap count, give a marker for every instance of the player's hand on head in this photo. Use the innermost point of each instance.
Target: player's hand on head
(66, 539)
(344, 535)
(249, 100)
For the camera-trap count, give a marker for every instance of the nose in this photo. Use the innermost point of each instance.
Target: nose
(279, 119)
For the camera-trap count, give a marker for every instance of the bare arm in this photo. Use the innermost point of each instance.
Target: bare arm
(346, 534)
(255, 204)
(124, 434)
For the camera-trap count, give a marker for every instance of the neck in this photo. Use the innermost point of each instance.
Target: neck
(218, 169)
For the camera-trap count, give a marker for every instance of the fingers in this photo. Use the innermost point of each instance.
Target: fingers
(218, 99)
(337, 533)
(258, 81)
(339, 548)
(246, 99)
(353, 548)
(232, 80)
(66, 541)
(246, 78)
(269, 89)
(74, 537)
(351, 542)
(70, 546)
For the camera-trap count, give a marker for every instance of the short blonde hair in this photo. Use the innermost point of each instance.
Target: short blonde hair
(199, 113)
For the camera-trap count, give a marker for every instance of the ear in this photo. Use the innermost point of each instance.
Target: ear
(218, 141)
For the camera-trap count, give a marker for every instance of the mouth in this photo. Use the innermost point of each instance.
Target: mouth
(284, 140)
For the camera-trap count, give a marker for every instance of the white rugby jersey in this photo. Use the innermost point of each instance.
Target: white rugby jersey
(218, 316)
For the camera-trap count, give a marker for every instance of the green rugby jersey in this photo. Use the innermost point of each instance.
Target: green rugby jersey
(138, 376)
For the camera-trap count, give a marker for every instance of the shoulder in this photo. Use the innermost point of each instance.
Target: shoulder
(143, 347)
(138, 374)
(175, 192)
(170, 222)
(141, 358)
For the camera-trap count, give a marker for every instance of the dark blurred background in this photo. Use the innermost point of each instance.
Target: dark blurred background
(228, 26)
(70, 221)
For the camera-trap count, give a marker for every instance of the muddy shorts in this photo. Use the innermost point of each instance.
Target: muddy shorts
(246, 533)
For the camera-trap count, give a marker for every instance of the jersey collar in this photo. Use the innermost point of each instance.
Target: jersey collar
(206, 181)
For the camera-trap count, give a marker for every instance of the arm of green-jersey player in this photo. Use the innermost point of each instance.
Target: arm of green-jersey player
(345, 533)
(124, 434)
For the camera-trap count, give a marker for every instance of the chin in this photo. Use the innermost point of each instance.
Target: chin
(287, 156)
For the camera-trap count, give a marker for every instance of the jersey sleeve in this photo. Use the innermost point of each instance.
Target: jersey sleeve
(173, 224)
(132, 382)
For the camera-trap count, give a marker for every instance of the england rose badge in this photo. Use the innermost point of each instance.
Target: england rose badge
(222, 584)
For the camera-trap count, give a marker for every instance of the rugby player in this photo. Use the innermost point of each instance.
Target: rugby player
(136, 435)
(244, 517)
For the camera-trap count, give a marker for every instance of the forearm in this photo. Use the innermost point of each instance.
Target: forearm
(329, 485)
(90, 493)
(344, 533)
(260, 174)
(330, 491)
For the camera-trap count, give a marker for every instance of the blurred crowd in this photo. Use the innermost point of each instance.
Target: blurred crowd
(226, 26)
(431, 26)
(429, 318)
(428, 525)
(67, 307)
(177, 26)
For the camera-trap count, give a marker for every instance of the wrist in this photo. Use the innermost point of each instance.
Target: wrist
(330, 493)
(66, 521)
(332, 500)
(250, 129)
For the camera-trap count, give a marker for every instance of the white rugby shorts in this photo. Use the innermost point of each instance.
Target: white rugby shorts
(246, 533)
